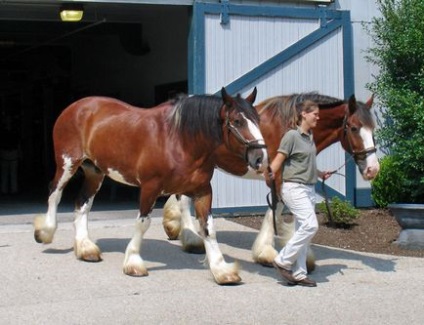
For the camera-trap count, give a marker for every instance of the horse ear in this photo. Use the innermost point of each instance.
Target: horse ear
(369, 102)
(228, 100)
(251, 98)
(352, 104)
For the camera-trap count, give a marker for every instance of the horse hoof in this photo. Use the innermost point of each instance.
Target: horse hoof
(41, 237)
(92, 258)
(37, 237)
(42, 233)
(229, 279)
(172, 232)
(136, 272)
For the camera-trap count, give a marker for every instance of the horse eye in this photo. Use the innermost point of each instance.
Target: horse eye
(354, 129)
(237, 123)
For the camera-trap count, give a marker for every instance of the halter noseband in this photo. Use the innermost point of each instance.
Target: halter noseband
(248, 144)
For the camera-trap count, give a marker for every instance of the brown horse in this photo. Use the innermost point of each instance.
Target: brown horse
(348, 122)
(167, 149)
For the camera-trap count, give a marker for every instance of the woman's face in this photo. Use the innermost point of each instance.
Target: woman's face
(311, 118)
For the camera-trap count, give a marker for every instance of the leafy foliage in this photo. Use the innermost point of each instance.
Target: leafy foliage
(389, 178)
(398, 36)
(343, 213)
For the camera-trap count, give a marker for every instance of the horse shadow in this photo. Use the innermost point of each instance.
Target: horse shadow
(322, 272)
(171, 256)
(58, 251)
(153, 250)
(157, 251)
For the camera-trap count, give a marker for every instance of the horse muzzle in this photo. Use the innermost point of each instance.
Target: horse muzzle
(368, 164)
(256, 156)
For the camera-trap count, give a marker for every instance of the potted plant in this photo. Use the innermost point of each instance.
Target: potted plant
(398, 52)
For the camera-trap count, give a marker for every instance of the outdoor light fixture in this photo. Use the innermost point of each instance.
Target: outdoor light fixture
(71, 12)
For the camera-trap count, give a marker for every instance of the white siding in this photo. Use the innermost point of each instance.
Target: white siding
(234, 49)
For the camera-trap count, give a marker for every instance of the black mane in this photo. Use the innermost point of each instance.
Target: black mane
(199, 115)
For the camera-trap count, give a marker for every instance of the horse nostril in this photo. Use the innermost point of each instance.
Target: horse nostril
(259, 162)
(371, 173)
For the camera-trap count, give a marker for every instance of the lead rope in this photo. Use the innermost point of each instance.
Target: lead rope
(326, 201)
(274, 200)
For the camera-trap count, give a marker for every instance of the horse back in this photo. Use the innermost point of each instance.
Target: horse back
(108, 130)
(129, 144)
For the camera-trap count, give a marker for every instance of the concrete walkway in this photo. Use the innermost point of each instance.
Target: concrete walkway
(45, 284)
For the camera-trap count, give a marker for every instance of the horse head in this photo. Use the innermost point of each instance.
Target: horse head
(241, 121)
(358, 139)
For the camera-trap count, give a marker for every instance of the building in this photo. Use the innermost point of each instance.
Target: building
(145, 51)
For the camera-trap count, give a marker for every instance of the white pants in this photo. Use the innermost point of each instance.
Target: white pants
(300, 199)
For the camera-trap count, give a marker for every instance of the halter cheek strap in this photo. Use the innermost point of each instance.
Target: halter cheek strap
(357, 155)
(249, 144)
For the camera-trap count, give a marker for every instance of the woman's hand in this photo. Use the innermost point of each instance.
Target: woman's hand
(269, 177)
(325, 174)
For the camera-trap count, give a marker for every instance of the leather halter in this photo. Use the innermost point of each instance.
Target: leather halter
(357, 155)
(248, 144)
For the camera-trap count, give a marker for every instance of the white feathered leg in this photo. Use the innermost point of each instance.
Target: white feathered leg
(223, 272)
(171, 221)
(45, 224)
(179, 223)
(263, 251)
(133, 263)
(84, 248)
(190, 239)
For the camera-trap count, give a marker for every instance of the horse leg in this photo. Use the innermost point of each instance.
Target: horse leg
(84, 248)
(45, 224)
(178, 223)
(223, 272)
(133, 263)
(171, 221)
(263, 251)
(191, 241)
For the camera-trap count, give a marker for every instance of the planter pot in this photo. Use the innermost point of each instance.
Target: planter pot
(410, 218)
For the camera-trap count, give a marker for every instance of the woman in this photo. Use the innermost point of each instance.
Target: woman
(296, 157)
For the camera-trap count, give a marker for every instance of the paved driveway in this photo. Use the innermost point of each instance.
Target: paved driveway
(45, 284)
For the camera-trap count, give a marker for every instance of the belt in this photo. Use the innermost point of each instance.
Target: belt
(309, 184)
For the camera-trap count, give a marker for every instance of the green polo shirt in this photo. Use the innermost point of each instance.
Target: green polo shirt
(300, 165)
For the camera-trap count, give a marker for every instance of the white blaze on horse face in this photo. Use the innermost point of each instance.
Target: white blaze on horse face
(254, 130)
(373, 165)
(117, 176)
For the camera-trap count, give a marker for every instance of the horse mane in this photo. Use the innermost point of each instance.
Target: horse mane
(199, 115)
(284, 107)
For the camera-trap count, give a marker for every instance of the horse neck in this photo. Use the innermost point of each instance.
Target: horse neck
(329, 128)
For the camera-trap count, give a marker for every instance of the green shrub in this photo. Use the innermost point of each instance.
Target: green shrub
(342, 211)
(389, 185)
(398, 52)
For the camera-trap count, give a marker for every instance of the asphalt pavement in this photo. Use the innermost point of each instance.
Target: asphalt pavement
(45, 284)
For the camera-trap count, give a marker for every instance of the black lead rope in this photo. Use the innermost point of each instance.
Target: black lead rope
(274, 200)
(326, 201)
(327, 204)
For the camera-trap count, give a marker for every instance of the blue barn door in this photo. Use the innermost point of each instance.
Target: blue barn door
(280, 50)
